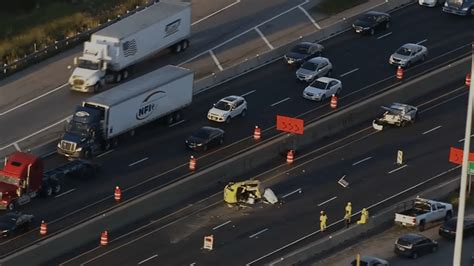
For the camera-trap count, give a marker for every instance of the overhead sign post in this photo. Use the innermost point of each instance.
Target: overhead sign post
(289, 124)
(455, 156)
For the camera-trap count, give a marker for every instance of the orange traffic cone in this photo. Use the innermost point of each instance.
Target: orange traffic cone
(192, 163)
(468, 79)
(117, 194)
(290, 156)
(334, 101)
(257, 133)
(104, 238)
(43, 228)
(399, 72)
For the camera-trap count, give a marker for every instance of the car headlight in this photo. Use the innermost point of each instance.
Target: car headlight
(366, 28)
(318, 94)
(59, 145)
(465, 9)
(79, 149)
(199, 144)
(446, 3)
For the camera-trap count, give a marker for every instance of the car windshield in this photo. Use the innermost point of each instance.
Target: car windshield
(309, 66)
(404, 51)
(319, 84)
(77, 128)
(301, 49)
(9, 180)
(367, 18)
(221, 105)
(88, 64)
(202, 134)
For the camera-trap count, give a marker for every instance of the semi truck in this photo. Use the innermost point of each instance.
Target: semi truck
(112, 51)
(23, 178)
(101, 119)
(459, 7)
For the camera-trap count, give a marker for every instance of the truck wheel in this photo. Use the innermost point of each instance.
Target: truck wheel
(87, 154)
(372, 31)
(434, 249)
(47, 191)
(228, 120)
(97, 87)
(448, 216)
(118, 77)
(178, 48)
(132, 133)
(403, 124)
(421, 226)
(125, 74)
(11, 206)
(185, 44)
(414, 255)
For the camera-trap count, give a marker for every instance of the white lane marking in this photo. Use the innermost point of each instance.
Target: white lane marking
(35, 133)
(349, 72)
(286, 99)
(247, 93)
(433, 129)
(16, 146)
(324, 202)
(420, 42)
(461, 140)
(219, 226)
(64, 193)
(139, 161)
(32, 100)
(399, 168)
(361, 161)
(264, 38)
(291, 193)
(371, 206)
(243, 33)
(150, 258)
(177, 123)
(258, 233)
(310, 18)
(105, 153)
(383, 36)
(215, 13)
(216, 61)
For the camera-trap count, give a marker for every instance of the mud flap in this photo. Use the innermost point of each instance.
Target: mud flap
(269, 196)
(377, 126)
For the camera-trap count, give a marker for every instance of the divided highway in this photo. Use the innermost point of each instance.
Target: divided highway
(256, 235)
(156, 156)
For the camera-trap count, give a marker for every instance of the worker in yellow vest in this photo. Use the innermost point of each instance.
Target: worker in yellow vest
(323, 218)
(348, 214)
(364, 216)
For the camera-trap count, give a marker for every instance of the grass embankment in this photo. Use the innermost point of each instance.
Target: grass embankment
(331, 7)
(54, 20)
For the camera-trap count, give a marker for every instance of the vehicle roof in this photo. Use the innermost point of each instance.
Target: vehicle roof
(17, 163)
(402, 107)
(411, 45)
(231, 98)
(142, 19)
(317, 60)
(305, 44)
(326, 79)
(412, 237)
(209, 129)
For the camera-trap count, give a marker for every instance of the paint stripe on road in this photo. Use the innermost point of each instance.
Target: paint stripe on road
(150, 258)
(215, 13)
(309, 17)
(64, 193)
(247, 93)
(105, 153)
(284, 100)
(258, 233)
(177, 123)
(324, 202)
(16, 146)
(420, 42)
(397, 169)
(139, 161)
(349, 72)
(216, 61)
(431, 130)
(361, 161)
(219, 226)
(383, 36)
(264, 38)
(291, 193)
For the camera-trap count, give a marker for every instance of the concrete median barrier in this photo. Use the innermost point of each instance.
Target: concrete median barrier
(181, 192)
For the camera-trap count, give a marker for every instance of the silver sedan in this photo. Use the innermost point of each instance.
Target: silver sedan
(314, 68)
(322, 89)
(408, 54)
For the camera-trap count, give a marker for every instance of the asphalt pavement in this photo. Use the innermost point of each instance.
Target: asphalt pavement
(161, 149)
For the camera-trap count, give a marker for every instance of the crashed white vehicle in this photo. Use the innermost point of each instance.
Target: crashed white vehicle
(398, 114)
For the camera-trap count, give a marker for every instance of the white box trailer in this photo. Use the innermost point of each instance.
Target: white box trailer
(101, 119)
(112, 50)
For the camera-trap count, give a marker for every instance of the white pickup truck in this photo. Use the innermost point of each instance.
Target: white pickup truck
(422, 211)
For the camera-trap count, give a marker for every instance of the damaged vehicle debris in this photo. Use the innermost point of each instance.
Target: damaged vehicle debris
(398, 114)
(247, 193)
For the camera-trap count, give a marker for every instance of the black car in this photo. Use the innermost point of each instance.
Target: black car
(414, 245)
(302, 52)
(448, 229)
(14, 222)
(371, 21)
(204, 138)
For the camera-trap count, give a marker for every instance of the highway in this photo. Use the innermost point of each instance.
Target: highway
(156, 156)
(254, 235)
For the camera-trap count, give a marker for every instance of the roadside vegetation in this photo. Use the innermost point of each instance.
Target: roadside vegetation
(26, 25)
(453, 198)
(331, 7)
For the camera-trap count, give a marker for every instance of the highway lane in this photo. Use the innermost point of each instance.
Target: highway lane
(243, 236)
(24, 97)
(163, 147)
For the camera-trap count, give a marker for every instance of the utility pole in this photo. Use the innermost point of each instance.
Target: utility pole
(465, 159)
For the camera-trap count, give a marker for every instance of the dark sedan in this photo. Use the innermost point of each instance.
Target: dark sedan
(448, 229)
(371, 21)
(204, 138)
(303, 51)
(413, 245)
(14, 222)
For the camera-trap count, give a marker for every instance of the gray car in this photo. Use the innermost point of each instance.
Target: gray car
(314, 68)
(408, 54)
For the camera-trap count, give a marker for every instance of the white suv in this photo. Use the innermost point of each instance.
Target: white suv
(227, 108)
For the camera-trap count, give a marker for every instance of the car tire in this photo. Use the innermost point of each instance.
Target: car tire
(87, 154)
(448, 216)
(118, 77)
(434, 249)
(185, 44)
(221, 141)
(421, 226)
(414, 255)
(204, 147)
(227, 121)
(125, 74)
(96, 87)
(407, 65)
(403, 124)
(169, 119)
(178, 48)
(243, 113)
(387, 25)
(372, 31)
(423, 58)
(329, 73)
(338, 92)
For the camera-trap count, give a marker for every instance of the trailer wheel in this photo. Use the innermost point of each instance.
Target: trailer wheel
(185, 44)
(118, 77)
(178, 48)
(125, 74)
(47, 191)
(57, 188)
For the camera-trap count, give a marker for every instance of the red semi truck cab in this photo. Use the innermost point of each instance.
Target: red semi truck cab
(22, 178)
